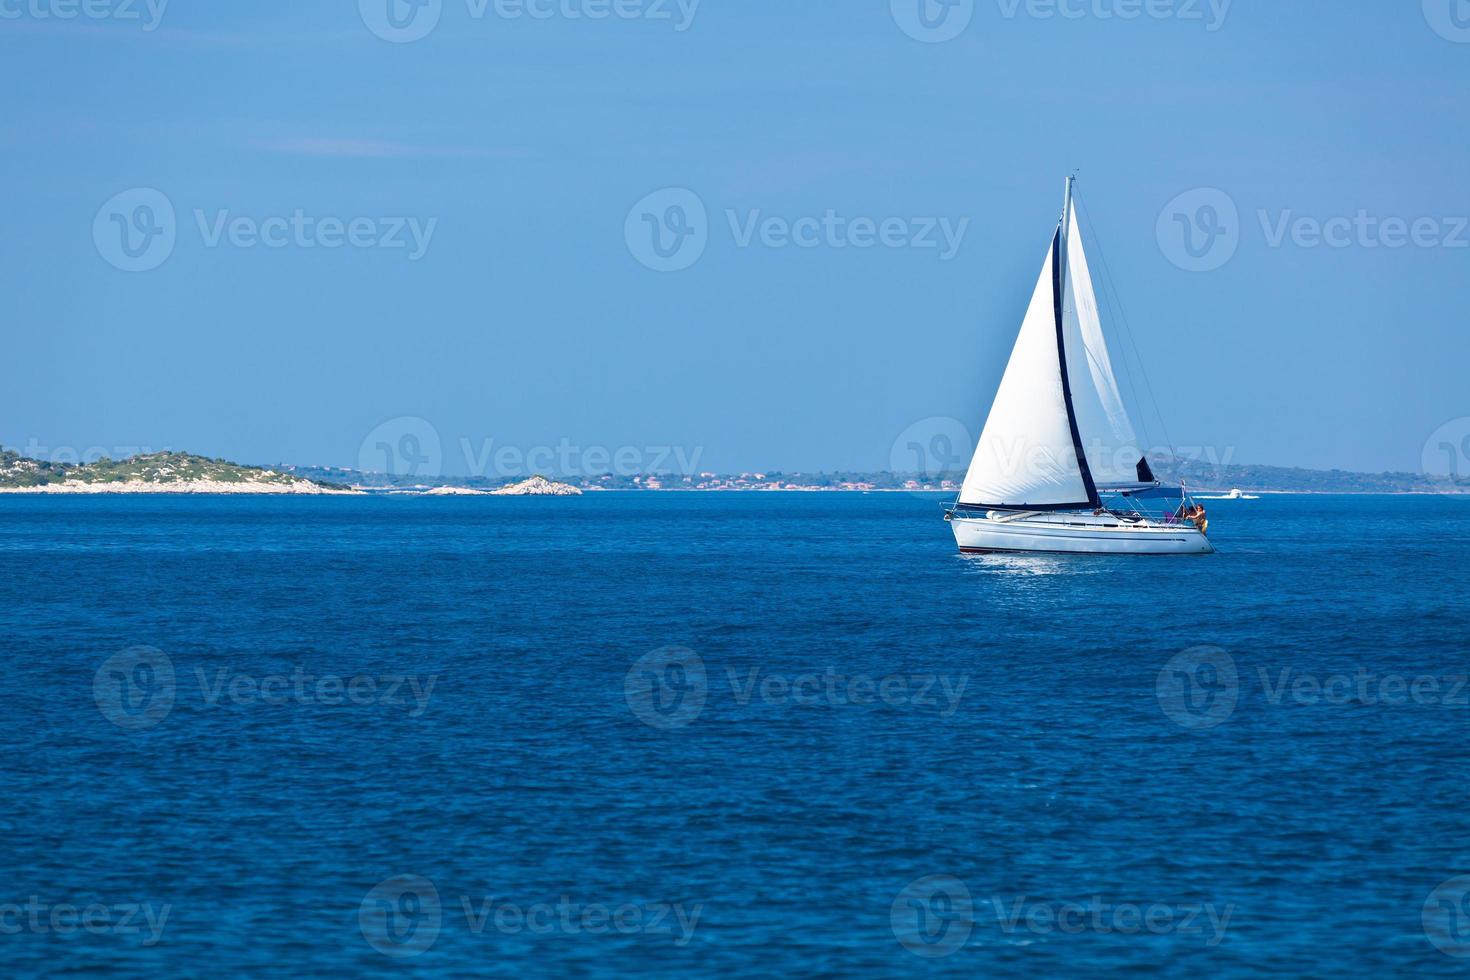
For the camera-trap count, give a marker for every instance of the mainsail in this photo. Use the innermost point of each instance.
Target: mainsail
(1058, 427)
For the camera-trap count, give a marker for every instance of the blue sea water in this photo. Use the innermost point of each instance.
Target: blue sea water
(723, 734)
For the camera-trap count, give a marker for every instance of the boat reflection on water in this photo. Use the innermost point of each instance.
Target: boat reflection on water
(1021, 563)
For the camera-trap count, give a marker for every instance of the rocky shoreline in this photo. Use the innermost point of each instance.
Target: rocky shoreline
(296, 487)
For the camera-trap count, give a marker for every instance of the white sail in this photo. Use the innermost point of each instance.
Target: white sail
(1026, 456)
(1058, 432)
(1108, 440)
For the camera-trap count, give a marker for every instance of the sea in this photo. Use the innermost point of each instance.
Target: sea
(725, 734)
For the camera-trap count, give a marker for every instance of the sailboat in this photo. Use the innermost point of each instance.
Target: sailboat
(1057, 467)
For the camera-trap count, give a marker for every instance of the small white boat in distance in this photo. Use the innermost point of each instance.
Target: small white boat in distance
(1058, 468)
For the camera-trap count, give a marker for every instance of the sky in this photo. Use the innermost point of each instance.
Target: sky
(726, 235)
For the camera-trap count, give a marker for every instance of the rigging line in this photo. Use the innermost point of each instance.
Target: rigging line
(1128, 335)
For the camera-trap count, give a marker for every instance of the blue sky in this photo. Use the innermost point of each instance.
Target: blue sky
(518, 147)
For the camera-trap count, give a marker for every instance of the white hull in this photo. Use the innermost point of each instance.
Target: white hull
(1077, 533)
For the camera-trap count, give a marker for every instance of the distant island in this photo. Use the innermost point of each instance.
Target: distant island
(165, 472)
(179, 472)
(536, 486)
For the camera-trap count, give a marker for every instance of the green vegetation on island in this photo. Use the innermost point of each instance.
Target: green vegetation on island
(162, 468)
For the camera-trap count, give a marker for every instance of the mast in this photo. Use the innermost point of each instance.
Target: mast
(1066, 223)
(1060, 256)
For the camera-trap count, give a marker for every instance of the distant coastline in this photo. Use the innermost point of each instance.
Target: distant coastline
(184, 473)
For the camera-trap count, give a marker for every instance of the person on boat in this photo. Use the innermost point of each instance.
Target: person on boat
(1194, 513)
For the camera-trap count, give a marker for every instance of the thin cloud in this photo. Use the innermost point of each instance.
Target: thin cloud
(316, 146)
(129, 32)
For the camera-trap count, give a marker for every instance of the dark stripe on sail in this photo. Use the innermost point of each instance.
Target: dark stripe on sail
(1056, 295)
